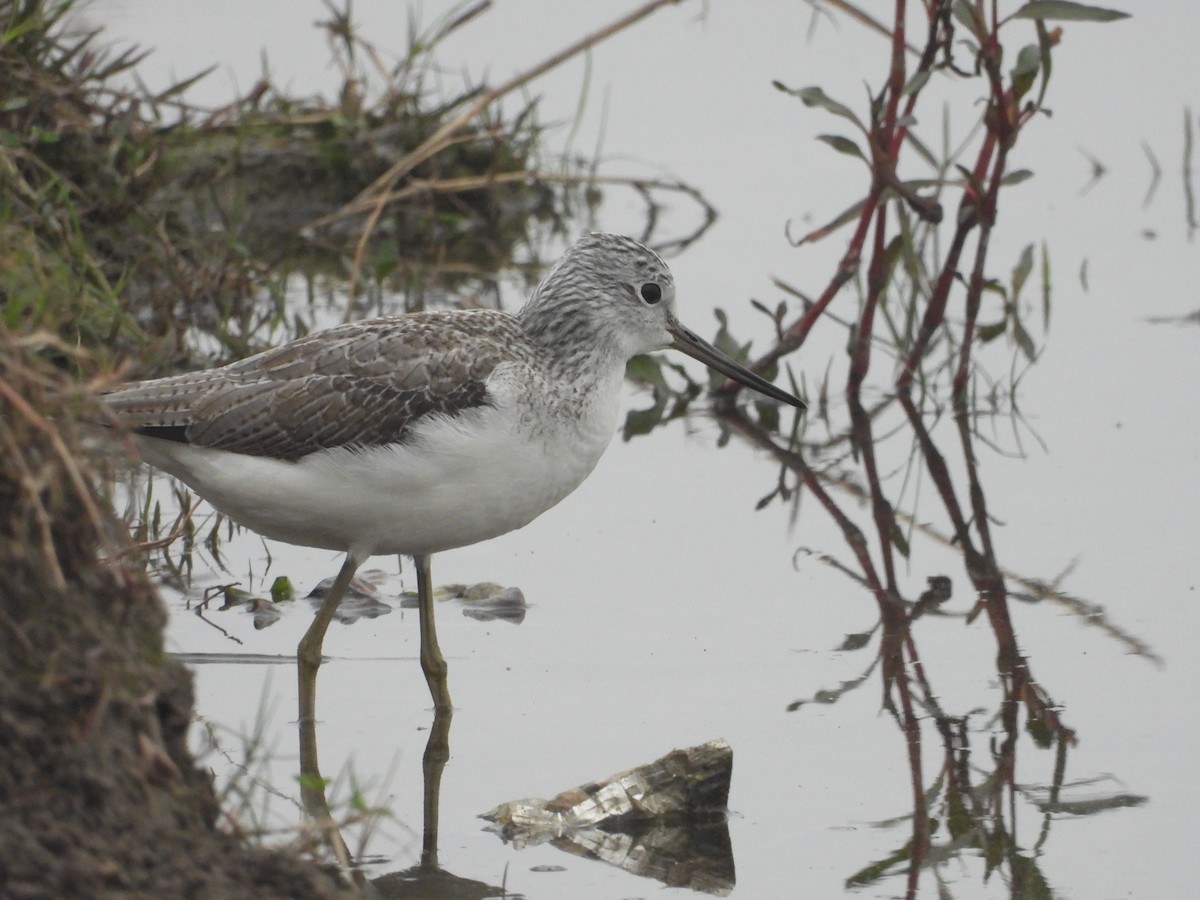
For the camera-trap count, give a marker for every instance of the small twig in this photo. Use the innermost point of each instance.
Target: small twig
(177, 530)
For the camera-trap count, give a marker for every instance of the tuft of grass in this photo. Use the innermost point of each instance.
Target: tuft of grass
(135, 224)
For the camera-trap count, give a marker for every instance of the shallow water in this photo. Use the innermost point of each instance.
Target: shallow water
(664, 611)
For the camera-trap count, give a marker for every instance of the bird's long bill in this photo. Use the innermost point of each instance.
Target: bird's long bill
(696, 347)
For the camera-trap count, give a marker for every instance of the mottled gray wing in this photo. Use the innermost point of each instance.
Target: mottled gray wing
(362, 384)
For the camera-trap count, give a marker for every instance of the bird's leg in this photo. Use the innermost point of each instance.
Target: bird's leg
(433, 664)
(308, 653)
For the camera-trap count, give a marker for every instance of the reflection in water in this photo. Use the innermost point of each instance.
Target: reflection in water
(312, 783)
(693, 855)
(970, 804)
(427, 878)
(422, 883)
(970, 807)
(664, 820)
(484, 602)
(930, 310)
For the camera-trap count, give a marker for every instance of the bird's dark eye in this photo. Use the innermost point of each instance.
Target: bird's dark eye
(651, 292)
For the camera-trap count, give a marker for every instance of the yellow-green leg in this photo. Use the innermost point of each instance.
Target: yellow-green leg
(308, 654)
(433, 664)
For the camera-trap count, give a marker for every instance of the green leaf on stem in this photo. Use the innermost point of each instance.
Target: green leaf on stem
(856, 641)
(1045, 287)
(924, 152)
(814, 96)
(768, 415)
(892, 254)
(846, 216)
(842, 145)
(971, 180)
(1045, 45)
(1025, 72)
(1016, 176)
(1066, 11)
(992, 286)
(1021, 270)
(966, 17)
(1024, 341)
(991, 332)
(915, 83)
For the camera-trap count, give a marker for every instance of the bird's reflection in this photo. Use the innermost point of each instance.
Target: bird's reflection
(312, 783)
(482, 601)
(427, 878)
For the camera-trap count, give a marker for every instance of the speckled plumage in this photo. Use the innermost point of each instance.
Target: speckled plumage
(359, 385)
(369, 383)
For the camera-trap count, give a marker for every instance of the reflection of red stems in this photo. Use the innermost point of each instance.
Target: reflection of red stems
(896, 634)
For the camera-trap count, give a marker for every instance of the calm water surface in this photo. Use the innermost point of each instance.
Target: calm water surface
(665, 611)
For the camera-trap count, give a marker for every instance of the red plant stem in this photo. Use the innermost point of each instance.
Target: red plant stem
(794, 461)
(975, 286)
(935, 311)
(793, 338)
(921, 829)
(987, 219)
(896, 633)
(895, 84)
(853, 536)
(928, 55)
(971, 209)
(864, 441)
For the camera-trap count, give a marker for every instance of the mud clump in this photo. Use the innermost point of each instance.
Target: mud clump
(99, 796)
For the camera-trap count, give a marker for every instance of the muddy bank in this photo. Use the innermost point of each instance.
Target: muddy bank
(99, 796)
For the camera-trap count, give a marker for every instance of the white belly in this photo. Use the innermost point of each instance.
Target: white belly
(457, 481)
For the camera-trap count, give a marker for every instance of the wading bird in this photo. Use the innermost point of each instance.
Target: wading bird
(423, 432)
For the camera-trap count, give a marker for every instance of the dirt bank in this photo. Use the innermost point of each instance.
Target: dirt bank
(99, 796)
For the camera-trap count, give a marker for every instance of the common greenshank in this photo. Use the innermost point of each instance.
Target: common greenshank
(423, 432)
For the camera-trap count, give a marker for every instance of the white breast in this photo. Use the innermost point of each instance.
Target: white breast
(455, 481)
